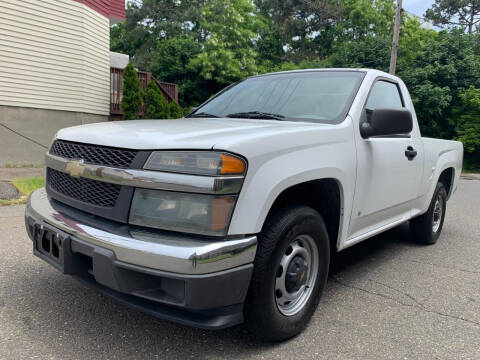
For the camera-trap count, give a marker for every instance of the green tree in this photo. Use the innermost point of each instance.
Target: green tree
(169, 62)
(364, 34)
(229, 50)
(370, 52)
(165, 18)
(466, 116)
(174, 111)
(413, 39)
(269, 46)
(447, 63)
(362, 18)
(303, 26)
(118, 40)
(202, 45)
(155, 103)
(150, 21)
(132, 93)
(186, 110)
(455, 12)
(431, 102)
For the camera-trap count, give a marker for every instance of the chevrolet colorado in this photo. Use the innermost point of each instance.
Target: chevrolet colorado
(233, 213)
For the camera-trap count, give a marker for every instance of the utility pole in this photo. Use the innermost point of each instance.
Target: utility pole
(396, 34)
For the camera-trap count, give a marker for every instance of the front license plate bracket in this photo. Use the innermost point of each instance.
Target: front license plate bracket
(52, 245)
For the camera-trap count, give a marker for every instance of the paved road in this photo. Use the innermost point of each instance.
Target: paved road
(387, 298)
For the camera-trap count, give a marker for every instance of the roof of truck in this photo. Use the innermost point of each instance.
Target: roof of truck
(375, 72)
(327, 69)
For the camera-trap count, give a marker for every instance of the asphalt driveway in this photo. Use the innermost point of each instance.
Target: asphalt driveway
(387, 298)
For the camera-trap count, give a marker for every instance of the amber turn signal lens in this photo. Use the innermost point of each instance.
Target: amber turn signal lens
(221, 212)
(232, 165)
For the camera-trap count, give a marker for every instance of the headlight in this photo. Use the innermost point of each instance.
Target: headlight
(196, 162)
(183, 212)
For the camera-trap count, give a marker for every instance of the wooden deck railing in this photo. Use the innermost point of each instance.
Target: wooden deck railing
(169, 90)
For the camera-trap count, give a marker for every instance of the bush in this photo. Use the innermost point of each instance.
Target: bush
(174, 111)
(156, 105)
(467, 126)
(186, 110)
(132, 93)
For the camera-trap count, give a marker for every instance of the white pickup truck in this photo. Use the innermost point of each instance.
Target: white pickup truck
(233, 213)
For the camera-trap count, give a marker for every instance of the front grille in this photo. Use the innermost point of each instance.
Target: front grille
(94, 154)
(85, 190)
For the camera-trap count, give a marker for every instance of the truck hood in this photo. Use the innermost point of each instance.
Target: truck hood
(192, 133)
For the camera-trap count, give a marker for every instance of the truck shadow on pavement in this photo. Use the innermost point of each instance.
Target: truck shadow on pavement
(85, 324)
(375, 248)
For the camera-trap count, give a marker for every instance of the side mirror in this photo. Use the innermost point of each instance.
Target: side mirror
(386, 121)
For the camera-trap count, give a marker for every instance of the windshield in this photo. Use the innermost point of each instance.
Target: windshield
(314, 96)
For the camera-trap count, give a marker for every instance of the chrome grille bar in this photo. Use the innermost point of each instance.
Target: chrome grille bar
(147, 179)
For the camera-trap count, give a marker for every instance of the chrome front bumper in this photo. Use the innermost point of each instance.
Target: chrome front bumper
(156, 250)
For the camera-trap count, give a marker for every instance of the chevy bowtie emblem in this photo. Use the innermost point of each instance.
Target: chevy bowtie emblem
(75, 168)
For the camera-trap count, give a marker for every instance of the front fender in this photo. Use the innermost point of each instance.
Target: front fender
(269, 176)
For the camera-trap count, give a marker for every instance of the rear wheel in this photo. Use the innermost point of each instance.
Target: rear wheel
(426, 228)
(291, 268)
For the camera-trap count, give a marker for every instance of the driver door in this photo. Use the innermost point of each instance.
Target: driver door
(386, 178)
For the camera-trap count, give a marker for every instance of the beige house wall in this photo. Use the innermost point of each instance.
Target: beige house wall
(54, 73)
(26, 133)
(54, 54)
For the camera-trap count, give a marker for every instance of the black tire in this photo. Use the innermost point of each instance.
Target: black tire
(422, 227)
(262, 314)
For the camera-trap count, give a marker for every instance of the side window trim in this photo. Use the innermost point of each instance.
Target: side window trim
(384, 79)
(364, 109)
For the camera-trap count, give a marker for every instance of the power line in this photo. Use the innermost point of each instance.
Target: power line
(365, 62)
(23, 136)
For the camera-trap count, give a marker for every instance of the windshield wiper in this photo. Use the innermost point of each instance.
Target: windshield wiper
(203, 115)
(256, 115)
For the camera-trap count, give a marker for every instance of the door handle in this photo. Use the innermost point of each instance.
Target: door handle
(410, 153)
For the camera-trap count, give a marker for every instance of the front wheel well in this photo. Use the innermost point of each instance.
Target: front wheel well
(446, 178)
(323, 195)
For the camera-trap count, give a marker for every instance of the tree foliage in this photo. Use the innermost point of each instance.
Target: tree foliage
(467, 120)
(174, 111)
(302, 26)
(446, 64)
(465, 13)
(228, 54)
(169, 60)
(132, 93)
(157, 106)
(155, 103)
(362, 18)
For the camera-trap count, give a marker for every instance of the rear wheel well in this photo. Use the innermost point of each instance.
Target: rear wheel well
(446, 178)
(322, 195)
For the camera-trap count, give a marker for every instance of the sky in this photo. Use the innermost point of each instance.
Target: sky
(417, 7)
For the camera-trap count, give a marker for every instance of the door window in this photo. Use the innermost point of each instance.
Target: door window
(384, 94)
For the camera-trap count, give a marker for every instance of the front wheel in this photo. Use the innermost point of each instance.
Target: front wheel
(291, 268)
(426, 228)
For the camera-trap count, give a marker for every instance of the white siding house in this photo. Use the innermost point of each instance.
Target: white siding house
(54, 54)
(54, 70)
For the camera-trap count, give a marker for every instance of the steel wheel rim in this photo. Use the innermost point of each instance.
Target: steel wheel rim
(437, 214)
(301, 250)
